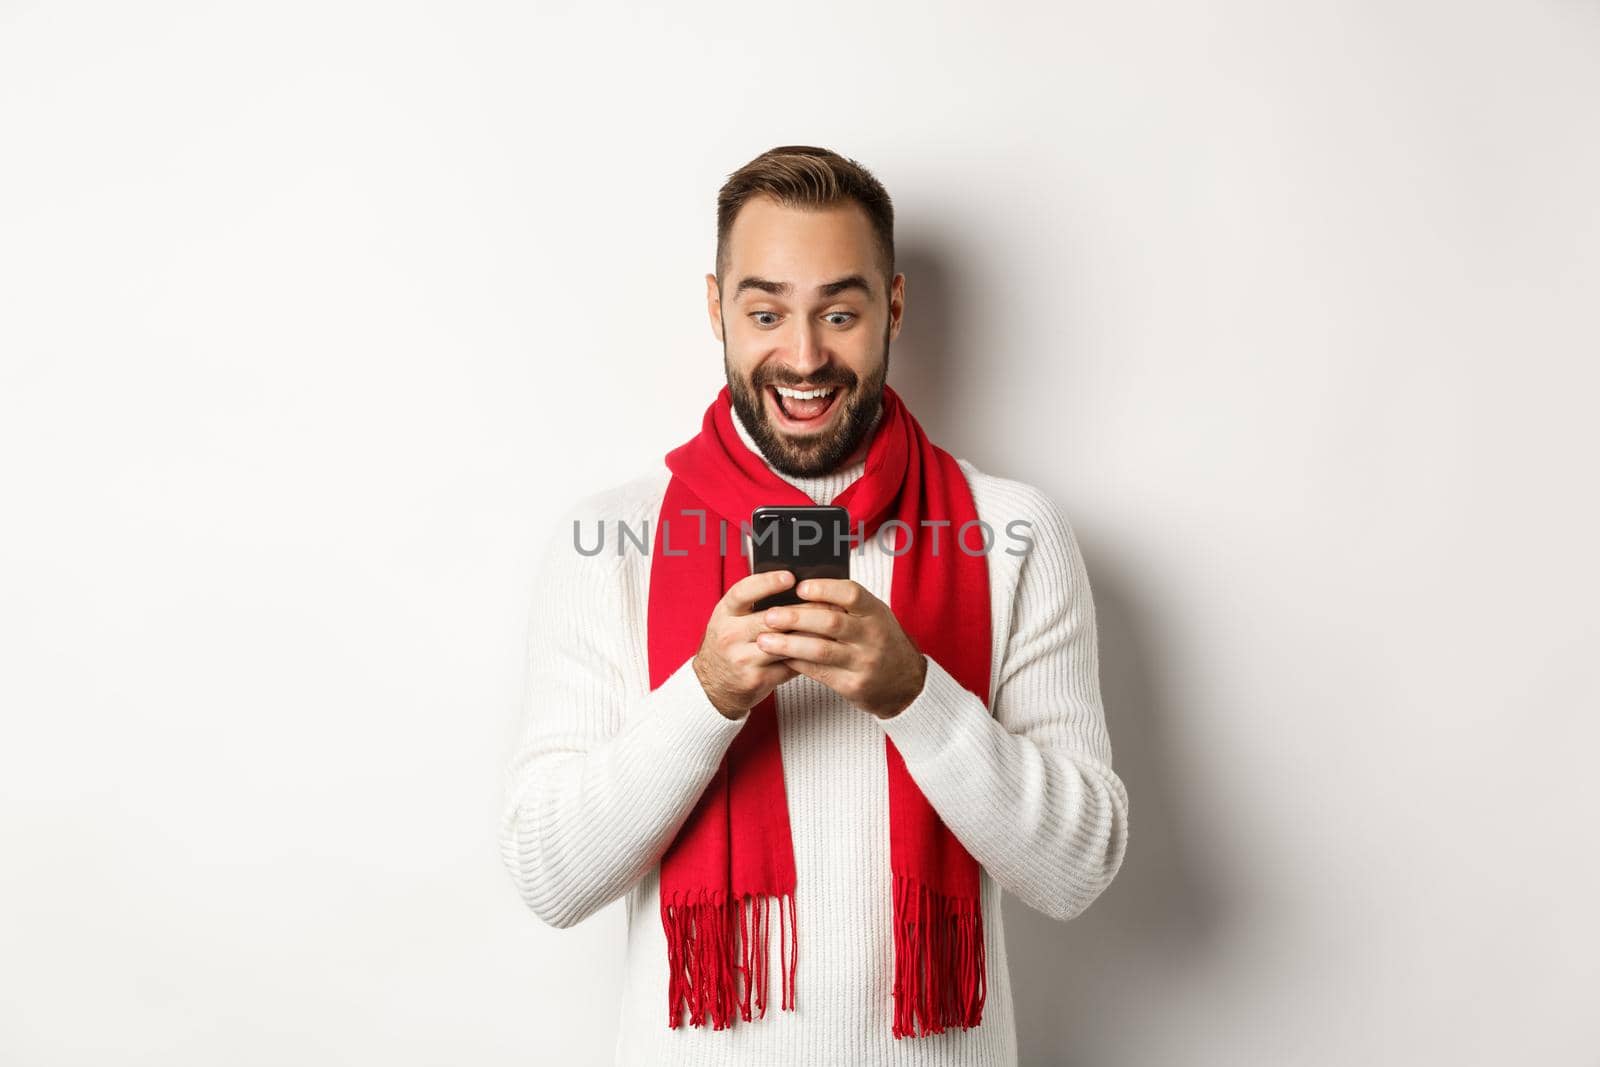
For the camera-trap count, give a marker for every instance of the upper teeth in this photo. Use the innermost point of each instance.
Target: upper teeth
(795, 394)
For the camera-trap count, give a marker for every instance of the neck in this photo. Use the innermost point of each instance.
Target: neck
(821, 488)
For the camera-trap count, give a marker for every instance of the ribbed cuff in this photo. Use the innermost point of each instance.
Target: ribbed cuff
(930, 725)
(691, 729)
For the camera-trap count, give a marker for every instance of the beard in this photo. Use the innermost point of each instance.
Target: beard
(813, 454)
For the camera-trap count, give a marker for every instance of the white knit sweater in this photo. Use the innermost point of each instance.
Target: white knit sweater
(608, 770)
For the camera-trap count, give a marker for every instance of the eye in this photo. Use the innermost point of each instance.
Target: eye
(773, 315)
(849, 316)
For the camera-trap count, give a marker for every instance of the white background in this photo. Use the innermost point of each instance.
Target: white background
(312, 316)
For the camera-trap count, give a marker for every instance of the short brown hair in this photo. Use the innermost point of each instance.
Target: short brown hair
(805, 176)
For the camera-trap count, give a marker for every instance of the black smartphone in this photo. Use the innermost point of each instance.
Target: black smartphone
(813, 541)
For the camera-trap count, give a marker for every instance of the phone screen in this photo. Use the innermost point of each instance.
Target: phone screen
(812, 541)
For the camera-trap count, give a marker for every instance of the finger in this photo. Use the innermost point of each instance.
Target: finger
(745, 648)
(748, 627)
(825, 620)
(742, 595)
(762, 657)
(768, 677)
(805, 647)
(778, 673)
(828, 676)
(850, 595)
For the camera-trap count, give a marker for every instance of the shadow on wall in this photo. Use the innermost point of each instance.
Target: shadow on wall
(1080, 985)
(929, 363)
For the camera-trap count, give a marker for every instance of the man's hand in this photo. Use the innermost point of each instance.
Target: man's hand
(850, 641)
(735, 673)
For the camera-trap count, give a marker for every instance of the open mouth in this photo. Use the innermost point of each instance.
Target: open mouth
(802, 410)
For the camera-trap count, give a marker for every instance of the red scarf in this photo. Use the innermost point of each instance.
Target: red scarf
(734, 855)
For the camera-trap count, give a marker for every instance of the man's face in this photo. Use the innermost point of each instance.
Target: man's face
(805, 308)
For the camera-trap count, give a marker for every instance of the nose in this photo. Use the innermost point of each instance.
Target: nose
(809, 354)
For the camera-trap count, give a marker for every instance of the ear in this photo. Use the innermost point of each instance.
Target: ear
(897, 304)
(714, 305)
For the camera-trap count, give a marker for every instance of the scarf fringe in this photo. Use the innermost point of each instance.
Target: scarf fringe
(713, 942)
(939, 974)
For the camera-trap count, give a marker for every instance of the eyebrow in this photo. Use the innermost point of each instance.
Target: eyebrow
(833, 288)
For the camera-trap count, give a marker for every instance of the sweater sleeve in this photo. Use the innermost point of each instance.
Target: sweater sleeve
(602, 778)
(1027, 786)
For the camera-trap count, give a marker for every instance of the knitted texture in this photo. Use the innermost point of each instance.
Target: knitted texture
(608, 769)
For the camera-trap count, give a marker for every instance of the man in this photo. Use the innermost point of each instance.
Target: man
(867, 769)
